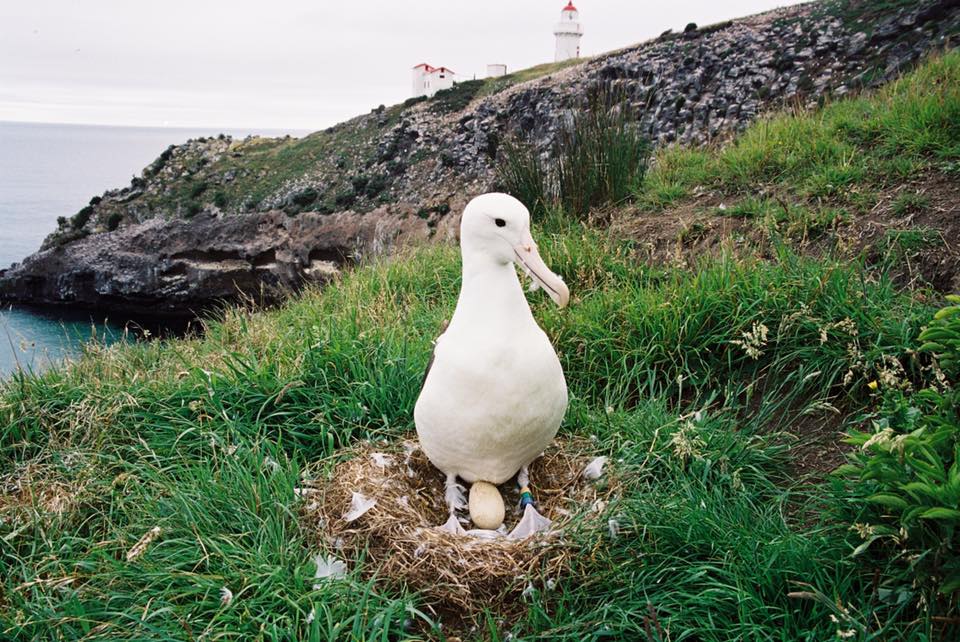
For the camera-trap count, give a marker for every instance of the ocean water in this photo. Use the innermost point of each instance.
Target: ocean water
(51, 170)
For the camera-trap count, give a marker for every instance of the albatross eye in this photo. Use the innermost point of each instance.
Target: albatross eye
(500, 222)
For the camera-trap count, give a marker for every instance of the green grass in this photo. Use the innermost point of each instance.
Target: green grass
(207, 438)
(699, 382)
(910, 202)
(496, 85)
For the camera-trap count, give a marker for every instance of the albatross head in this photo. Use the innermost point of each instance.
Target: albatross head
(497, 227)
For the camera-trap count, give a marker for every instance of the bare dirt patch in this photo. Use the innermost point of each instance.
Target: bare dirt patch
(914, 228)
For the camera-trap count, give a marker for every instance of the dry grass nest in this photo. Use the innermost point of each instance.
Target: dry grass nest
(464, 575)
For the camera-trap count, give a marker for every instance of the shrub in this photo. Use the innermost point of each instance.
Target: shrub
(220, 199)
(193, 208)
(113, 222)
(304, 197)
(910, 202)
(456, 98)
(522, 173)
(907, 470)
(601, 158)
(198, 189)
(80, 218)
(345, 198)
(359, 182)
(376, 184)
(943, 338)
(410, 102)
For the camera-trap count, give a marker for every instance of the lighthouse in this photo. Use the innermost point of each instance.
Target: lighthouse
(568, 32)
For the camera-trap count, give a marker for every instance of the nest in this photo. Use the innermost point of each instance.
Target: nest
(455, 574)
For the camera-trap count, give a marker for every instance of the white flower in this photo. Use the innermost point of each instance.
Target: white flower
(686, 443)
(753, 340)
(879, 439)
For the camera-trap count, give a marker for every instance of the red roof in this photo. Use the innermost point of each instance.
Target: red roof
(432, 70)
(570, 6)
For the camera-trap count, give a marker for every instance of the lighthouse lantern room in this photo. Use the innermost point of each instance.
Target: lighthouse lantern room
(568, 32)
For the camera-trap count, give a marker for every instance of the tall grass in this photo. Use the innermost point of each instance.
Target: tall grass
(597, 158)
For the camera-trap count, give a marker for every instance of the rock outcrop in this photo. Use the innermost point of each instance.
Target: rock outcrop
(215, 217)
(179, 267)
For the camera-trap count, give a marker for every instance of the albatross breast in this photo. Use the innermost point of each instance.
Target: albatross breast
(492, 402)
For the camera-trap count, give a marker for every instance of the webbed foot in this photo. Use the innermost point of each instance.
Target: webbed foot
(531, 523)
(453, 526)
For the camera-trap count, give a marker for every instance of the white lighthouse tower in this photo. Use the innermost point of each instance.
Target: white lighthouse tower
(568, 32)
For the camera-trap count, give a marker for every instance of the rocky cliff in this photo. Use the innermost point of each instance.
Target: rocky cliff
(215, 219)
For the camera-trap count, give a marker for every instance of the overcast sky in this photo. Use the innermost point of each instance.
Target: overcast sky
(285, 63)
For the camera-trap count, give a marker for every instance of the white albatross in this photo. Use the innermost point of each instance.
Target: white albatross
(494, 393)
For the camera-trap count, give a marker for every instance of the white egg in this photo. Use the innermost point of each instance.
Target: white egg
(486, 506)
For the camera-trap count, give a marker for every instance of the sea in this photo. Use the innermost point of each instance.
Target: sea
(51, 170)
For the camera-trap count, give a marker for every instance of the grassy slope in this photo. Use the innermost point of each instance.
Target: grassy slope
(829, 163)
(206, 438)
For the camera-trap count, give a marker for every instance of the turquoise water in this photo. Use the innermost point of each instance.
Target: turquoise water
(50, 170)
(32, 339)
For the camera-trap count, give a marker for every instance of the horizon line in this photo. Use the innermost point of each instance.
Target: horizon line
(167, 127)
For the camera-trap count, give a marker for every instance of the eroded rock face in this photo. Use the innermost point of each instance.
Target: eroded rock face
(170, 267)
(410, 170)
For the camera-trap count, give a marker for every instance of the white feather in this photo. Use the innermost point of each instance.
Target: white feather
(359, 505)
(328, 568)
(594, 470)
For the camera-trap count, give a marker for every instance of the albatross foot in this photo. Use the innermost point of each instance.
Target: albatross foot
(531, 523)
(453, 526)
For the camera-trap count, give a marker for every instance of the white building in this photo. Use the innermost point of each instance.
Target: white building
(428, 80)
(568, 32)
(496, 70)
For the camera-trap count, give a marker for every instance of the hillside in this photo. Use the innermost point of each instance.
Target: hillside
(751, 319)
(214, 218)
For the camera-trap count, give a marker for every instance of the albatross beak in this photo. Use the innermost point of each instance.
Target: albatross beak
(529, 259)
